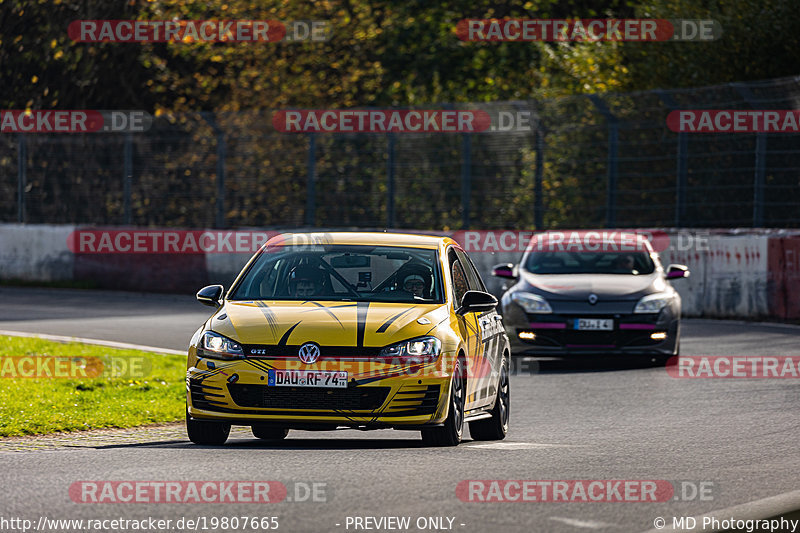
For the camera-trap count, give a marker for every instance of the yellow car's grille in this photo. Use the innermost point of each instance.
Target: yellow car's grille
(421, 399)
(349, 399)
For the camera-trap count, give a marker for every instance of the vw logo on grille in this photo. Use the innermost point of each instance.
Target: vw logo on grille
(592, 299)
(308, 353)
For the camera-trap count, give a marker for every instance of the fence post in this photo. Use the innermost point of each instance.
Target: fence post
(220, 218)
(682, 157)
(311, 180)
(390, 180)
(127, 177)
(613, 153)
(758, 180)
(22, 164)
(538, 208)
(760, 159)
(466, 179)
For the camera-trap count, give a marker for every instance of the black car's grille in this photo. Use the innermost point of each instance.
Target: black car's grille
(568, 337)
(349, 399)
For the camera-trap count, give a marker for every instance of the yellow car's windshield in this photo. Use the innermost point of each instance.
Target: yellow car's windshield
(343, 272)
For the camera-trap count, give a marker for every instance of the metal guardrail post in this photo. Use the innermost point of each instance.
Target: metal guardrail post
(311, 182)
(22, 165)
(390, 222)
(682, 157)
(220, 218)
(758, 180)
(211, 119)
(613, 156)
(127, 177)
(466, 179)
(759, 165)
(538, 206)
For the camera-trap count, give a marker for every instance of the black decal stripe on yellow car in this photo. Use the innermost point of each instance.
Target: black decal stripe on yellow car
(361, 312)
(261, 365)
(269, 316)
(445, 319)
(383, 327)
(321, 307)
(285, 338)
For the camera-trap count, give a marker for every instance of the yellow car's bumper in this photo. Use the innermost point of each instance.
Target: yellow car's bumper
(378, 394)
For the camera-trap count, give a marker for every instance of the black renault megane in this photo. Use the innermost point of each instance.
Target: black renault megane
(592, 292)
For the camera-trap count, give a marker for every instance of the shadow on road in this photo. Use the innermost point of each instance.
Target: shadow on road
(522, 365)
(301, 443)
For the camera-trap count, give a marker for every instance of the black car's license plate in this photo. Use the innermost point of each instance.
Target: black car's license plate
(594, 324)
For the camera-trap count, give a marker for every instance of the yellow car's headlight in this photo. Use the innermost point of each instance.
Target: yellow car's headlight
(421, 347)
(220, 347)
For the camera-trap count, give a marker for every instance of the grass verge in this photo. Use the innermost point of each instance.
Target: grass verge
(88, 387)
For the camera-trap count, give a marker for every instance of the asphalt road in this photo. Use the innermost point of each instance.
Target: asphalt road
(588, 420)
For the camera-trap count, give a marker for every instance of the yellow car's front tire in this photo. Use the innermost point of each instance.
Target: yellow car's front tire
(205, 432)
(450, 433)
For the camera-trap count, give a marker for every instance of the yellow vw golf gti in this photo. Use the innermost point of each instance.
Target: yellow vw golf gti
(359, 330)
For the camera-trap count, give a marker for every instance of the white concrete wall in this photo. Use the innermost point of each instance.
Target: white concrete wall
(729, 269)
(35, 252)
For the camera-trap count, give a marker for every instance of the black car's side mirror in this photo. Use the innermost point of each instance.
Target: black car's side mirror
(505, 270)
(677, 271)
(210, 295)
(476, 302)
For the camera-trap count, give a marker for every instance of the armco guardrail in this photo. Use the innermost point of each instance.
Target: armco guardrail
(750, 274)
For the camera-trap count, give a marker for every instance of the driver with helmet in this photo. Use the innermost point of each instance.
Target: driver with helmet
(415, 278)
(305, 281)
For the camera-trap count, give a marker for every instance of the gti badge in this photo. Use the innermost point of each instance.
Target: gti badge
(592, 299)
(308, 353)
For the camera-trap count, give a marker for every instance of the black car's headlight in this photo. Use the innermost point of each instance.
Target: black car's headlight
(653, 303)
(421, 347)
(531, 303)
(220, 346)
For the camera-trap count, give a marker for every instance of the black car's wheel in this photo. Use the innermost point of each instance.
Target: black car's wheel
(207, 432)
(450, 433)
(496, 427)
(266, 432)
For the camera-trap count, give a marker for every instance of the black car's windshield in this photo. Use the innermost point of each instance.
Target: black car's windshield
(556, 262)
(343, 272)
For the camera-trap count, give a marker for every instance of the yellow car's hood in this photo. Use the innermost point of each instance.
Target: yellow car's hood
(357, 324)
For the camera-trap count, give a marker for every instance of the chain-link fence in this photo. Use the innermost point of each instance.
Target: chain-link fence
(599, 160)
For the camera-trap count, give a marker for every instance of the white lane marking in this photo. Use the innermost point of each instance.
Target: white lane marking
(589, 524)
(756, 510)
(96, 342)
(519, 445)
